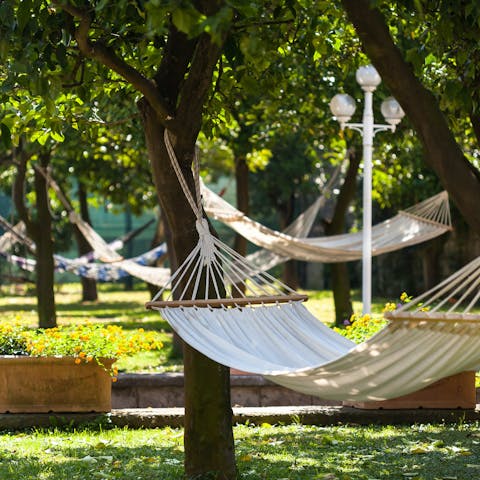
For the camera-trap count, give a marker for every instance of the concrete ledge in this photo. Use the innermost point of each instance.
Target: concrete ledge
(166, 391)
(307, 415)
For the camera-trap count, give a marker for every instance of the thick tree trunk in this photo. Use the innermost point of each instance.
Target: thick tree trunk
(442, 153)
(163, 228)
(158, 237)
(89, 285)
(430, 255)
(340, 276)
(47, 317)
(209, 450)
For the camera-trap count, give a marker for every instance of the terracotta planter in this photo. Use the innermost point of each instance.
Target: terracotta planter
(53, 384)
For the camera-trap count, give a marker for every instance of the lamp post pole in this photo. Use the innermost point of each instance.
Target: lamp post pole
(343, 107)
(367, 137)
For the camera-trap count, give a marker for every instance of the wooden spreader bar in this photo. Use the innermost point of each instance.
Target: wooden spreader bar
(439, 318)
(227, 302)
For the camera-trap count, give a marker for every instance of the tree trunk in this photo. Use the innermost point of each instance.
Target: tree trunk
(177, 343)
(290, 272)
(158, 237)
(40, 231)
(442, 153)
(89, 285)
(243, 200)
(430, 255)
(340, 276)
(128, 281)
(208, 438)
(45, 264)
(243, 204)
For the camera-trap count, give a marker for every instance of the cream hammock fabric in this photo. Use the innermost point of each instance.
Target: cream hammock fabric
(13, 234)
(260, 329)
(417, 224)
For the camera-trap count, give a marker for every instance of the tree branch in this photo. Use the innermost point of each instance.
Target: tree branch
(105, 55)
(195, 89)
(174, 66)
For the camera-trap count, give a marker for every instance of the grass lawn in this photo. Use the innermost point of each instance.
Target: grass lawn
(294, 452)
(126, 308)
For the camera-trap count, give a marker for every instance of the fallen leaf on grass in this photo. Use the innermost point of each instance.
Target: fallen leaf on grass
(89, 459)
(328, 476)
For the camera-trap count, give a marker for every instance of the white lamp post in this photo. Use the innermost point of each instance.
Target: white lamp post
(343, 107)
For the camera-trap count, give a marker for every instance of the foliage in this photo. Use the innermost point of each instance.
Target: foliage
(361, 327)
(86, 342)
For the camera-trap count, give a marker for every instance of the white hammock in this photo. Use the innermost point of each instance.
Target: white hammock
(417, 224)
(12, 235)
(269, 332)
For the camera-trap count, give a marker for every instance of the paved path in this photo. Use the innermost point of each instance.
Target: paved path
(308, 415)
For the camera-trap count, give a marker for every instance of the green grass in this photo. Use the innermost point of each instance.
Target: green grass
(294, 452)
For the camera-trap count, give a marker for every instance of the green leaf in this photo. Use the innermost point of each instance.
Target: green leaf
(58, 137)
(183, 20)
(23, 14)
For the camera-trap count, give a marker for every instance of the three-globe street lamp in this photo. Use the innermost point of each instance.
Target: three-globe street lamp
(343, 106)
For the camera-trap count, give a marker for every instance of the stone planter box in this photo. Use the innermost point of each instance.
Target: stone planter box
(53, 384)
(456, 391)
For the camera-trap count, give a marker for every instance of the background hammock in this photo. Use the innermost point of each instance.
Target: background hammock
(105, 272)
(419, 223)
(82, 266)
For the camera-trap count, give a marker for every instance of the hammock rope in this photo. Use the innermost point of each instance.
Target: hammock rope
(211, 261)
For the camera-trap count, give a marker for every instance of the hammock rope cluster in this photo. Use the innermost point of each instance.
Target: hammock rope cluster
(268, 330)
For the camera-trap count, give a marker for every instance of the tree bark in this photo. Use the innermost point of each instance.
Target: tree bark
(340, 276)
(208, 435)
(442, 153)
(89, 285)
(158, 236)
(290, 272)
(40, 231)
(243, 200)
(243, 204)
